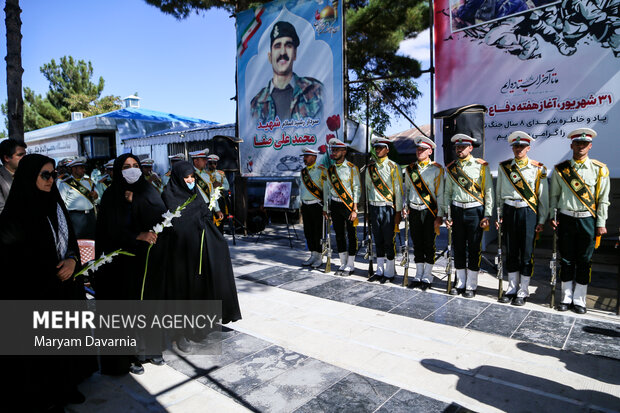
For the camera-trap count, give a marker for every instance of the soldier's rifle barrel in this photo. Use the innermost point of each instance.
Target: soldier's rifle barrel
(553, 265)
(498, 258)
(449, 251)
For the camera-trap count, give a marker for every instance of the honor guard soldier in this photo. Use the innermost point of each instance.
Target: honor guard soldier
(172, 159)
(218, 179)
(203, 181)
(313, 178)
(384, 191)
(106, 179)
(523, 206)
(469, 194)
(424, 186)
(150, 176)
(63, 170)
(340, 198)
(79, 195)
(580, 192)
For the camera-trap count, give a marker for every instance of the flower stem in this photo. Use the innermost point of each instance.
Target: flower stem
(146, 266)
(202, 241)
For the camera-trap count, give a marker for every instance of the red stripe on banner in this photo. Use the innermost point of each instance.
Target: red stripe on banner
(253, 32)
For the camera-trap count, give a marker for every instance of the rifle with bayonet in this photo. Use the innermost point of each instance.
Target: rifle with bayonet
(405, 249)
(498, 257)
(449, 263)
(326, 243)
(368, 241)
(553, 264)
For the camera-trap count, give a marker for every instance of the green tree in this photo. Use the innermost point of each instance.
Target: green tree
(374, 30)
(71, 90)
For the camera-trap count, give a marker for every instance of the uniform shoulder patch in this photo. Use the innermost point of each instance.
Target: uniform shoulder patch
(321, 167)
(220, 171)
(481, 161)
(536, 163)
(350, 164)
(437, 165)
(450, 164)
(167, 173)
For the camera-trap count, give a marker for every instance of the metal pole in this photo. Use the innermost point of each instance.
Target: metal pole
(345, 75)
(432, 68)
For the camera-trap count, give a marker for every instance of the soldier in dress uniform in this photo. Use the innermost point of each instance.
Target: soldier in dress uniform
(469, 194)
(63, 170)
(341, 195)
(150, 175)
(313, 178)
(424, 186)
(580, 192)
(79, 194)
(203, 181)
(172, 159)
(218, 179)
(106, 179)
(384, 191)
(523, 205)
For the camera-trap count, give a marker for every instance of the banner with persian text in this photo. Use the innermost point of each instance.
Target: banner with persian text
(542, 67)
(289, 83)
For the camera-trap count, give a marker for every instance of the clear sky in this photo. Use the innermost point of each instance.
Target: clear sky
(184, 67)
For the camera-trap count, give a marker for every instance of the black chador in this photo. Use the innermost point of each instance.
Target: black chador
(199, 266)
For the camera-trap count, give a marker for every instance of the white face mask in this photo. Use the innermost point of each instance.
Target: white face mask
(132, 175)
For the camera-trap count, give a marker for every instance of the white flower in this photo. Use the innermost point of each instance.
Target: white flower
(168, 215)
(158, 228)
(107, 259)
(177, 213)
(167, 222)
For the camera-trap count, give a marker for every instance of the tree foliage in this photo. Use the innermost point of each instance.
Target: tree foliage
(71, 90)
(374, 29)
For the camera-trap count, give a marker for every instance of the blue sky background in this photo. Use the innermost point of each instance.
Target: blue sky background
(183, 67)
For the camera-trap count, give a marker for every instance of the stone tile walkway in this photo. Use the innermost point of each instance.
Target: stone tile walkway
(563, 331)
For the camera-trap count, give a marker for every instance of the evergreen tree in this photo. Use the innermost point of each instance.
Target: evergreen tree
(374, 30)
(71, 90)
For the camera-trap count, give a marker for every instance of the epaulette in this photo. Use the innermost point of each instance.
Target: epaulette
(536, 163)
(437, 165)
(601, 165)
(450, 164)
(350, 164)
(506, 161)
(322, 167)
(220, 171)
(167, 173)
(482, 161)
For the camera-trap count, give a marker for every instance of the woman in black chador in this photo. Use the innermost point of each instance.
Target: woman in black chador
(199, 265)
(39, 255)
(129, 209)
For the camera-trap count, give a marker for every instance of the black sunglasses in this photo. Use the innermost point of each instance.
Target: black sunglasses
(46, 175)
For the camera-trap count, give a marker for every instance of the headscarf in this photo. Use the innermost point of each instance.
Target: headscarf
(116, 212)
(177, 191)
(27, 203)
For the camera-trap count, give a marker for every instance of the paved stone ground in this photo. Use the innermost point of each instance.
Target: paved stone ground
(314, 342)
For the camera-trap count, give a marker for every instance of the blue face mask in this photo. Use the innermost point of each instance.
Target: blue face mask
(191, 185)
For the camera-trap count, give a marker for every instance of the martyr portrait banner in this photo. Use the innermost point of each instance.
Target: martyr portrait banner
(289, 82)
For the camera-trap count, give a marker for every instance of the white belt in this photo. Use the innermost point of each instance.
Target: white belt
(417, 207)
(311, 202)
(576, 214)
(379, 203)
(466, 204)
(336, 199)
(515, 203)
